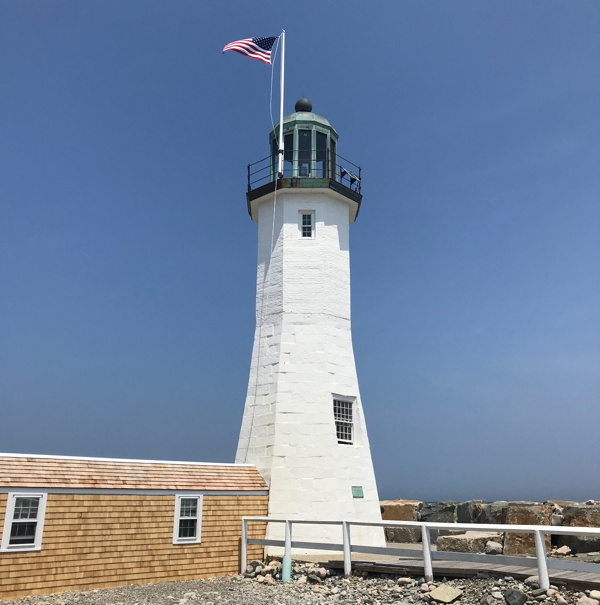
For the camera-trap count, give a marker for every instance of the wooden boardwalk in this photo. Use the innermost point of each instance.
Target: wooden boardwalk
(468, 569)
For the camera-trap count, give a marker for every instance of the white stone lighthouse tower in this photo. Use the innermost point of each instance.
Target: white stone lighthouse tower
(303, 424)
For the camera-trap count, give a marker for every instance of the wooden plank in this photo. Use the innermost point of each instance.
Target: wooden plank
(469, 569)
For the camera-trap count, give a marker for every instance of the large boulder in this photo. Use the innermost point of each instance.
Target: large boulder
(439, 512)
(467, 512)
(471, 541)
(581, 515)
(401, 510)
(492, 513)
(525, 513)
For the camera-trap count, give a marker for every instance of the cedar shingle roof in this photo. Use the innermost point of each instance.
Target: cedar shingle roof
(105, 473)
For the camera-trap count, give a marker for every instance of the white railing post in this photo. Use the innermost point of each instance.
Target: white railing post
(540, 551)
(427, 566)
(286, 562)
(347, 549)
(244, 547)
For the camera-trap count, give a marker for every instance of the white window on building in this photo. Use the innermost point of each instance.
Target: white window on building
(307, 224)
(188, 520)
(342, 413)
(23, 522)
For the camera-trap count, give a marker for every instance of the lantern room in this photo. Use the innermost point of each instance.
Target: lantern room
(310, 145)
(310, 160)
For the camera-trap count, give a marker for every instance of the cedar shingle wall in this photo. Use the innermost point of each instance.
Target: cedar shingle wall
(99, 541)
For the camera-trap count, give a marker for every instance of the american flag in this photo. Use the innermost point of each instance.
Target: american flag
(255, 48)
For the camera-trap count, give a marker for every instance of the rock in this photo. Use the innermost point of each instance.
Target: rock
(404, 581)
(438, 512)
(541, 597)
(488, 600)
(471, 541)
(313, 578)
(275, 564)
(401, 510)
(302, 579)
(424, 587)
(518, 513)
(550, 592)
(563, 550)
(403, 535)
(557, 520)
(255, 564)
(320, 571)
(594, 594)
(583, 600)
(467, 512)
(561, 601)
(558, 505)
(514, 597)
(269, 579)
(588, 502)
(497, 595)
(445, 593)
(493, 548)
(492, 513)
(532, 580)
(261, 579)
(581, 515)
(538, 591)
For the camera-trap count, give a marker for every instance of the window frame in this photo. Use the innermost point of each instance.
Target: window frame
(350, 401)
(9, 520)
(301, 214)
(177, 518)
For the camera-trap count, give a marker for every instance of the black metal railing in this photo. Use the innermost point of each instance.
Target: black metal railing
(318, 165)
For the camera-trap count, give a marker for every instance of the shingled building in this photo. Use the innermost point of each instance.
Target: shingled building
(75, 523)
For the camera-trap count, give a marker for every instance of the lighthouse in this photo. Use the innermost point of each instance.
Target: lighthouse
(303, 425)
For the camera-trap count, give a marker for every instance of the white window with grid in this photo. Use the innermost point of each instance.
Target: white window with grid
(23, 522)
(187, 528)
(306, 223)
(342, 413)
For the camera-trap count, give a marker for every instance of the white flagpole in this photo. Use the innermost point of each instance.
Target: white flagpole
(281, 87)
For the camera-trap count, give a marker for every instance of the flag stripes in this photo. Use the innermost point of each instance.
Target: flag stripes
(255, 48)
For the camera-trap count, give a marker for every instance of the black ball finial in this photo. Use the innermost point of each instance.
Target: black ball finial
(303, 105)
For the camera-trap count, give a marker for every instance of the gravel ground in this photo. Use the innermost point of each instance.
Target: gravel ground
(373, 589)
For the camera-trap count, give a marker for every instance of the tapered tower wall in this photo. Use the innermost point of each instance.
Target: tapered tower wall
(302, 359)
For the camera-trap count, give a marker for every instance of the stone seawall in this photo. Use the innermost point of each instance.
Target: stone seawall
(552, 512)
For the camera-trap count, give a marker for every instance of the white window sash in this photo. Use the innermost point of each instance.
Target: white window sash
(5, 546)
(198, 537)
(313, 225)
(343, 421)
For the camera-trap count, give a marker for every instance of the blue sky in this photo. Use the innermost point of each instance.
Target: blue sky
(127, 258)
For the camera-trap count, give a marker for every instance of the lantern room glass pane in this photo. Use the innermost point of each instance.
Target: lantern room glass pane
(304, 152)
(321, 157)
(333, 160)
(288, 155)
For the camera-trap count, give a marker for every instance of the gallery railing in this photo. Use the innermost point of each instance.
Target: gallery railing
(319, 165)
(539, 531)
